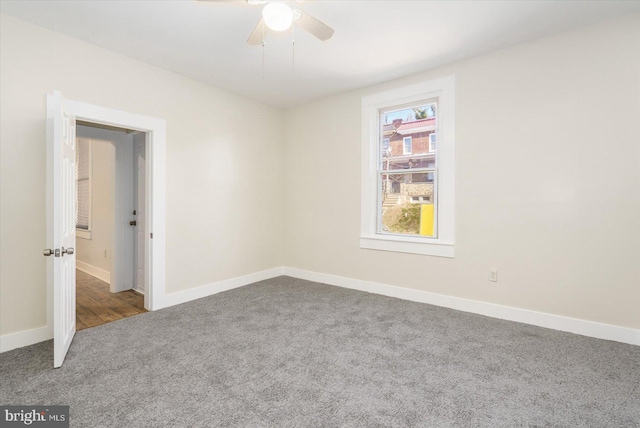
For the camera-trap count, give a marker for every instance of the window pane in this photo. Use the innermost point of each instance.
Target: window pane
(407, 141)
(407, 138)
(407, 203)
(407, 146)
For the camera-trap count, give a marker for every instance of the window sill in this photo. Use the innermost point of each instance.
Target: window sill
(407, 245)
(83, 234)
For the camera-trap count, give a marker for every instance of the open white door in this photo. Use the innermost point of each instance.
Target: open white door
(61, 171)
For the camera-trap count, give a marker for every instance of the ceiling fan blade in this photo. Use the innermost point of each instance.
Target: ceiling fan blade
(257, 35)
(236, 1)
(314, 26)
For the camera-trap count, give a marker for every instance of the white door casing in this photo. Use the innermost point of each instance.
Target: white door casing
(61, 174)
(139, 248)
(61, 314)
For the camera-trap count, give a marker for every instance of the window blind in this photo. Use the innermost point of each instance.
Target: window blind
(83, 183)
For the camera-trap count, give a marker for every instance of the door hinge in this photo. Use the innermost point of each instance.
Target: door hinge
(151, 235)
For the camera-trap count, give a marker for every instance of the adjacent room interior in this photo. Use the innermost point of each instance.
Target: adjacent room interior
(356, 213)
(109, 220)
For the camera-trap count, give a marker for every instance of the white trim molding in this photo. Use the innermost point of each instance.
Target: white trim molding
(407, 245)
(30, 337)
(155, 222)
(218, 287)
(101, 274)
(540, 319)
(83, 234)
(371, 236)
(25, 338)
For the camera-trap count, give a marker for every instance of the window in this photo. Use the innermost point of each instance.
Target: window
(432, 142)
(408, 199)
(83, 188)
(386, 151)
(406, 145)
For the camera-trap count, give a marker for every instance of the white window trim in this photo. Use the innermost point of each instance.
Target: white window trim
(86, 233)
(443, 245)
(404, 145)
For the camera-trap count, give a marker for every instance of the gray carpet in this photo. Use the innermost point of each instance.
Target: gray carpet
(292, 353)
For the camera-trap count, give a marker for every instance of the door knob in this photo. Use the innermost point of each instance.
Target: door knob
(47, 252)
(132, 223)
(66, 251)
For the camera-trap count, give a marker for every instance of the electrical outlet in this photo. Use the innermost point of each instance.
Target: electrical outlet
(493, 275)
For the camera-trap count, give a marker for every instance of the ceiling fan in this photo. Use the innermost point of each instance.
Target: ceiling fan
(278, 16)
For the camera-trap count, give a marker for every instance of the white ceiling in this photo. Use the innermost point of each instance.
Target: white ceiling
(374, 41)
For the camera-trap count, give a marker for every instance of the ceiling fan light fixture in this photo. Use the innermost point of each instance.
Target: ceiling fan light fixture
(277, 16)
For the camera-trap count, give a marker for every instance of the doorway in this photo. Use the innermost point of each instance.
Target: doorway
(62, 115)
(110, 250)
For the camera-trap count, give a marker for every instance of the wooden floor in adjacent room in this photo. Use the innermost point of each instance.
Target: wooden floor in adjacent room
(96, 305)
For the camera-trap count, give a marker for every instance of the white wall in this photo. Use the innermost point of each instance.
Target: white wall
(224, 180)
(547, 180)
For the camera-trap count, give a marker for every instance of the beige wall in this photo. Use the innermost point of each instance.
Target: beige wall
(224, 180)
(547, 180)
(96, 251)
(547, 170)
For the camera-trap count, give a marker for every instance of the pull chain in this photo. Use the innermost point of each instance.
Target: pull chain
(293, 50)
(263, 53)
(263, 45)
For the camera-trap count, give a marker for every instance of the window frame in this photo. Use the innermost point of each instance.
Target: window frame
(404, 145)
(370, 238)
(434, 142)
(86, 233)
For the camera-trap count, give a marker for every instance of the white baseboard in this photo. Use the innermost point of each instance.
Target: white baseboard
(101, 274)
(541, 319)
(25, 338)
(30, 337)
(218, 287)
